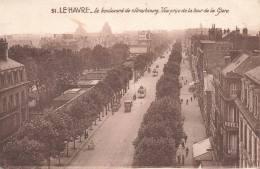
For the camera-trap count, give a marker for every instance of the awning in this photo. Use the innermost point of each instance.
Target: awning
(202, 151)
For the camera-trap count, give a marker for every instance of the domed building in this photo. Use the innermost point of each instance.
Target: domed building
(106, 30)
(80, 31)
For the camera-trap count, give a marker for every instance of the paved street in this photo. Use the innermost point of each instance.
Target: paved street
(114, 138)
(193, 125)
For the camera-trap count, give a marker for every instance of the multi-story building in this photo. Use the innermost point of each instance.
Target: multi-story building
(224, 115)
(13, 94)
(213, 54)
(248, 106)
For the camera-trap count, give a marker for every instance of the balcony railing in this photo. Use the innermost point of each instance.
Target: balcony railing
(10, 111)
(231, 124)
(231, 152)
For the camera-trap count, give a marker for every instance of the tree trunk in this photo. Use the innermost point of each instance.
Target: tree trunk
(49, 162)
(59, 160)
(74, 143)
(67, 148)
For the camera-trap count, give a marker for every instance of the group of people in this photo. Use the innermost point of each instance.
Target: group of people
(187, 100)
(180, 157)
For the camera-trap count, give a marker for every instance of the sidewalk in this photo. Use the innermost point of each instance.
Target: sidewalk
(193, 126)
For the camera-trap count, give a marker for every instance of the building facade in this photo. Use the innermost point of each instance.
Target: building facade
(248, 106)
(225, 114)
(13, 94)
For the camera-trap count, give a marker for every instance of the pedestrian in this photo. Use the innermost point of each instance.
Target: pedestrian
(183, 145)
(182, 78)
(179, 159)
(182, 159)
(191, 99)
(187, 151)
(185, 138)
(186, 81)
(187, 101)
(181, 100)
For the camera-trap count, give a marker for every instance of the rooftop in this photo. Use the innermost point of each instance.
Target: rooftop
(138, 49)
(207, 41)
(68, 96)
(9, 64)
(242, 64)
(254, 74)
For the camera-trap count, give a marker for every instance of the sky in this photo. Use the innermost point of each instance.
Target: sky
(36, 17)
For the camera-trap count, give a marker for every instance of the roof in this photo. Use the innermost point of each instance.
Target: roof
(254, 74)
(234, 65)
(67, 96)
(207, 82)
(88, 82)
(94, 75)
(201, 150)
(207, 41)
(9, 64)
(139, 50)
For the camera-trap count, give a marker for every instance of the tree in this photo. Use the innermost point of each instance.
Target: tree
(168, 86)
(172, 68)
(100, 57)
(44, 132)
(85, 55)
(24, 152)
(154, 152)
(119, 52)
(155, 129)
(168, 110)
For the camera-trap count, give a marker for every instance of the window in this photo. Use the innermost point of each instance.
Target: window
(23, 97)
(21, 75)
(2, 78)
(241, 130)
(255, 149)
(17, 100)
(233, 89)
(250, 143)
(256, 105)
(11, 101)
(232, 142)
(245, 138)
(4, 104)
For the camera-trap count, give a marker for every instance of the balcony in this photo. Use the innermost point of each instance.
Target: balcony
(232, 153)
(9, 112)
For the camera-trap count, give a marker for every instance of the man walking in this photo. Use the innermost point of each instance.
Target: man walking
(187, 151)
(183, 145)
(185, 138)
(179, 159)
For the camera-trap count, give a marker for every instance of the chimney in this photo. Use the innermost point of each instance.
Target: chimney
(228, 31)
(227, 59)
(234, 54)
(237, 30)
(245, 31)
(3, 49)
